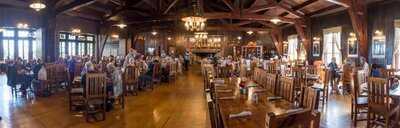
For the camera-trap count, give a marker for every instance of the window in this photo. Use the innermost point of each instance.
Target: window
(292, 47)
(396, 53)
(8, 33)
(23, 34)
(23, 49)
(332, 45)
(81, 49)
(62, 49)
(76, 44)
(35, 49)
(90, 49)
(71, 48)
(20, 43)
(8, 46)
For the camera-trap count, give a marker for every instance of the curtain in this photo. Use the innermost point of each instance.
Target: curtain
(292, 47)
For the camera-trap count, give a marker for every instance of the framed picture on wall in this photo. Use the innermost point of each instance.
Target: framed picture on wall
(352, 48)
(378, 45)
(316, 47)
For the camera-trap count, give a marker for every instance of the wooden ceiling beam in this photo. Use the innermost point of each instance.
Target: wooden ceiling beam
(290, 10)
(74, 5)
(229, 5)
(256, 9)
(335, 6)
(268, 24)
(243, 23)
(339, 2)
(170, 6)
(300, 6)
(277, 38)
(234, 28)
(358, 15)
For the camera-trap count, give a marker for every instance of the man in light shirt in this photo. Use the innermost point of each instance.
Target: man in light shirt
(365, 66)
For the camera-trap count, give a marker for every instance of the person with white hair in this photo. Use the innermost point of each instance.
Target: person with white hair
(130, 57)
(365, 66)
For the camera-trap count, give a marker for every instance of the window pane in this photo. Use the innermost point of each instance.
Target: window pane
(292, 48)
(23, 33)
(71, 37)
(23, 49)
(90, 38)
(81, 38)
(90, 49)
(71, 48)
(8, 33)
(62, 49)
(62, 36)
(81, 49)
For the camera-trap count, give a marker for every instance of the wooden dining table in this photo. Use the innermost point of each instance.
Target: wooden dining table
(245, 102)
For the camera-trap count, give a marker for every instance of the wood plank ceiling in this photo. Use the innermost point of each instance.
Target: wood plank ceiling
(233, 14)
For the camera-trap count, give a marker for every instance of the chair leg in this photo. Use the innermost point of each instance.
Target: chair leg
(368, 119)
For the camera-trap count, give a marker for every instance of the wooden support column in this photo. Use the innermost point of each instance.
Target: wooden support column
(304, 37)
(358, 15)
(49, 35)
(277, 38)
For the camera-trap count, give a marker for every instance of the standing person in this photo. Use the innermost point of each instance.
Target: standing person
(129, 58)
(186, 58)
(333, 67)
(71, 63)
(365, 66)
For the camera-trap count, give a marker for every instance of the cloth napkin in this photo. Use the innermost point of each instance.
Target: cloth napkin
(241, 114)
(219, 81)
(227, 98)
(224, 90)
(274, 98)
(294, 110)
(220, 85)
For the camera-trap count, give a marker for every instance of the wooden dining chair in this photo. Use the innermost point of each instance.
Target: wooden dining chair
(347, 78)
(271, 82)
(359, 103)
(379, 105)
(304, 118)
(173, 70)
(309, 98)
(95, 95)
(286, 89)
(130, 81)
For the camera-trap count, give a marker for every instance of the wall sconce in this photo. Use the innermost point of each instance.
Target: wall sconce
(116, 36)
(250, 32)
(239, 38)
(169, 38)
(154, 33)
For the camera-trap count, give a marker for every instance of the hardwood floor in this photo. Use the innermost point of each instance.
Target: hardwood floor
(180, 104)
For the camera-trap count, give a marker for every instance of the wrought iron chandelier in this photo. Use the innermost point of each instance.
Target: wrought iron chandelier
(195, 21)
(37, 5)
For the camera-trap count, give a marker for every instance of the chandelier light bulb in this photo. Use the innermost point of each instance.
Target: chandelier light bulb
(37, 6)
(121, 25)
(275, 20)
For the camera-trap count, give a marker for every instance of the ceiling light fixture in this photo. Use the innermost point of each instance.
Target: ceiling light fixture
(37, 5)
(154, 33)
(76, 31)
(195, 21)
(239, 38)
(169, 38)
(121, 25)
(250, 32)
(275, 20)
(22, 25)
(116, 36)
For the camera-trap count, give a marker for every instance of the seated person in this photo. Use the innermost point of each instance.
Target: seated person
(148, 75)
(375, 72)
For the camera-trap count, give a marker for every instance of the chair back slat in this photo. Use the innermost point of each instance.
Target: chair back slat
(286, 88)
(378, 91)
(130, 75)
(310, 98)
(95, 85)
(270, 82)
